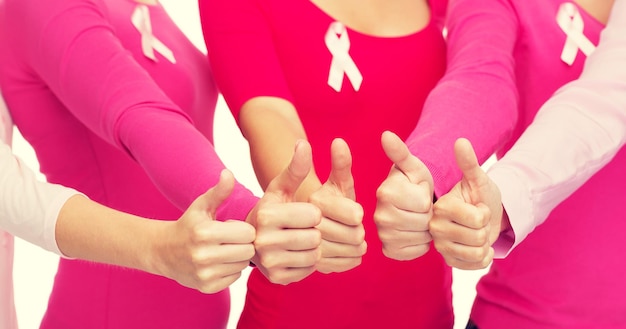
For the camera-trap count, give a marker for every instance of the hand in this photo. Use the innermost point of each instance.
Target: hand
(287, 242)
(343, 236)
(404, 205)
(468, 219)
(202, 253)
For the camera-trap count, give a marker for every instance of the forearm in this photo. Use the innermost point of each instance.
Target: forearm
(90, 231)
(477, 97)
(29, 207)
(272, 128)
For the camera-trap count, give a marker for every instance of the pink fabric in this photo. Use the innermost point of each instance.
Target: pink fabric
(277, 48)
(116, 125)
(28, 209)
(587, 123)
(566, 274)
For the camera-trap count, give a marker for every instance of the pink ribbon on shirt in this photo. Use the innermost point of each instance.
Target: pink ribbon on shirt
(149, 43)
(338, 44)
(571, 23)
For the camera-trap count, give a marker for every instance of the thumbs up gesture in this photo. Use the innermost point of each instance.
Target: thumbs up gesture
(287, 243)
(343, 236)
(202, 253)
(467, 220)
(404, 203)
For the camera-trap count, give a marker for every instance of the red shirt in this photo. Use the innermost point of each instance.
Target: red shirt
(277, 48)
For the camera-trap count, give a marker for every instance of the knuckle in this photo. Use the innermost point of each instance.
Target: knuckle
(198, 235)
(316, 239)
(315, 212)
(309, 259)
(206, 277)
(248, 232)
(197, 257)
(475, 254)
(478, 220)
(264, 217)
(481, 237)
(316, 198)
(359, 234)
(248, 251)
(279, 277)
(382, 219)
(485, 262)
(436, 229)
(363, 248)
(391, 253)
(308, 240)
(269, 261)
(384, 194)
(262, 242)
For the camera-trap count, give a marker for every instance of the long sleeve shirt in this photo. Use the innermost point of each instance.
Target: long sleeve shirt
(118, 104)
(286, 49)
(586, 122)
(28, 209)
(506, 59)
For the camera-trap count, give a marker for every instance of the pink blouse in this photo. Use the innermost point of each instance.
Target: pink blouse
(588, 115)
(506, 60)
(28, 209)
(118, 104)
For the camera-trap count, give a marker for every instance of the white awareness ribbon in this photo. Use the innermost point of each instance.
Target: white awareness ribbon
(338, 44)
(149, 43)
(572, 24)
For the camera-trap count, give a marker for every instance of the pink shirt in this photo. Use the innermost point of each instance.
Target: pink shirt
(28, 209)
(504, 63)
(588, 115)
(108, 120)
(279, 48)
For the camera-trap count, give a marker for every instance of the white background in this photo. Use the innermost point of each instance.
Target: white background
(34, 268)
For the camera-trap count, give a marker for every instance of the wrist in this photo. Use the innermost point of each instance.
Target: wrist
(152, 253)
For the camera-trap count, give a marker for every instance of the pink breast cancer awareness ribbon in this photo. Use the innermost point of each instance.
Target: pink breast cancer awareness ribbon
(338, 44)
(572, 24)
(149, 43)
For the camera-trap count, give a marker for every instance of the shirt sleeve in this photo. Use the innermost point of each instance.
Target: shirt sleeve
(241, 50)
(539, 172)
(100, 83)
(477, 97)
(28, 208)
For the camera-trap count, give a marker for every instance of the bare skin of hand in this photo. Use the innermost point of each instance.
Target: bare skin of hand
(287, 242)
(343, 236)
(202, 253)
(404, 203)
(469, 219)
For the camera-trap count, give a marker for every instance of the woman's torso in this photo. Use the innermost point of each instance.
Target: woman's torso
(89, 295)
(398, 72)
(566, 272)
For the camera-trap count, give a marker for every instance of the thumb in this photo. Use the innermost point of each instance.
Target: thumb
(473, 175)
(213, 198)
(341, 167)
(289, 180)
(399, 154)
